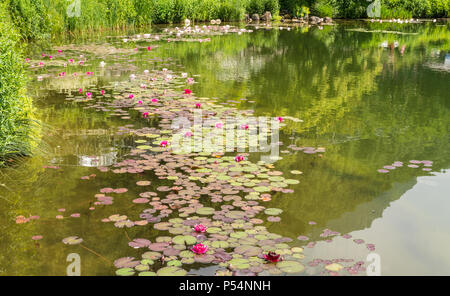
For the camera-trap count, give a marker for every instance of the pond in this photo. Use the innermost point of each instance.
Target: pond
(363, 110)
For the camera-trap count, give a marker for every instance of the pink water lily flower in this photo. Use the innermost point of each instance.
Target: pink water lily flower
(198, 105)
(244, 127)
(145, 114)
(130, 96)
(190, 80)
(81, 62)
(102, 92)
(89, 73)
(187, 91)
(164, 144)
(200, 228)
(239, 158)
(59, 51)
(43, 55)
(155, 100)
(188, 134)
(71, 60)
(219, 125)
(149, 48)
(280, 119)
(88, 94)
(62, 74)
(139, 102)
(199, 249)
(143, 86)
(27, 60)
(80, 90)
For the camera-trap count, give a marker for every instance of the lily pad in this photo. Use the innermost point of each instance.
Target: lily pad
(290, 266)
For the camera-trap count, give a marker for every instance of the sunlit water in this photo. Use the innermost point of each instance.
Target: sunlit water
(367, 104)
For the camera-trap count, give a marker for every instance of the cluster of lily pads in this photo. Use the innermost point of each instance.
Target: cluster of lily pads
(208, 209)
(427, 164)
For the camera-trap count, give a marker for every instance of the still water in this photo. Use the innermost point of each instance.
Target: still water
(370, 94)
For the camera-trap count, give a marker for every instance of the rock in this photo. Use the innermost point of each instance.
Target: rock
(328, 20)
(267, 16)
(255, 17)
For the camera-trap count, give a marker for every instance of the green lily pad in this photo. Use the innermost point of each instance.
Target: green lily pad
(290, 266)
(125, 271)
(205, 211)
(184, 240)
(273, 211)
(147, 273)
(171, 271)
(72, 240)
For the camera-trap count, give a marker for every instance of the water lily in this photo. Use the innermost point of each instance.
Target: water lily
(149, 48)
(71, 60)
(187, 91)
(188, 134)
(199, 249)
(102, 64)
(145, 114)
(89, 73)
(132, 76)
(280, 119)
(130, 96)
(62, 74)
(50, 57)
(200, 228)
(139, 102)
(184, 75)
(239, 158)
(143, 86)
(219, 125)
(89, 94)
(102, 92)
(244, 127)
(155, 100)
(81, 62)
(190, 80)
(164, 144)
(198, 105)
(80, 90)
(146, 71)
(272, 257)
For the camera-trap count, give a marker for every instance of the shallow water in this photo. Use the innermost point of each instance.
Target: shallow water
(367, 105)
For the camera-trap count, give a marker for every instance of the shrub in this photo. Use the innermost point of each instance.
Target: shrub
(323, 8)
(16, 125)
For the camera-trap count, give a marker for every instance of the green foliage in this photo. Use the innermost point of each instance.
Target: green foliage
(323, 8)
(16, 122)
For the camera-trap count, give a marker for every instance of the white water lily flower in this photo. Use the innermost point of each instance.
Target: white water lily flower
(102, 64)
(132, 76)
